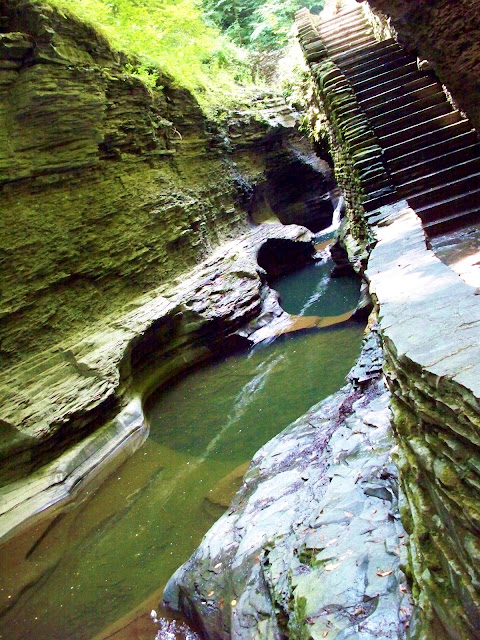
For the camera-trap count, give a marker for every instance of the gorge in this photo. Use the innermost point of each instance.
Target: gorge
(141, 240)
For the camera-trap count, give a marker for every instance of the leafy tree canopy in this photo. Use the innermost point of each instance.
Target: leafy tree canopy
(202, 43)
(258, 24)
(171, 35)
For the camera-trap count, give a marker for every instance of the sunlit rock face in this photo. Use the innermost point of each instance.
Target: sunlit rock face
(108, 188)
(447, 34)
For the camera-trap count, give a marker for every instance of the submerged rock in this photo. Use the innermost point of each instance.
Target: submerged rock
(311, 545)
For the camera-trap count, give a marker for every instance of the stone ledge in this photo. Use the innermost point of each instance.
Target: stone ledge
(412, 285)
(311, 545)
(430, 322)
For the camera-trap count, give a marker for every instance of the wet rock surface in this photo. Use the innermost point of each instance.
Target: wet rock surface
(59, 400)
(310, 546)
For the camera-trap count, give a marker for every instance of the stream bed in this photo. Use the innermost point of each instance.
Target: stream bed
(97, 567)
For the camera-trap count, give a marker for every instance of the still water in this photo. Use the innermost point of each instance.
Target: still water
(97, 564)
(311, 291)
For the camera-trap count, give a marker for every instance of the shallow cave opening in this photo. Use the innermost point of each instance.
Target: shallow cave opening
(279, 257)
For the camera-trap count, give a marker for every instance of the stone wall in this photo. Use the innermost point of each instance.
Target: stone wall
(447, 34)
(430, 323)
(335, 113)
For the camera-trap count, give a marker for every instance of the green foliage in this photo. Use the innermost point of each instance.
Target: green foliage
(171, 35)
(258, 24)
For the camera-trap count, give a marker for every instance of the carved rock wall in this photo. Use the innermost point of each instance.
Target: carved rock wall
(430, 325)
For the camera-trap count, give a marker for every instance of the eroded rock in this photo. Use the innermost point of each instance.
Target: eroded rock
(310, 546)
(58, 400)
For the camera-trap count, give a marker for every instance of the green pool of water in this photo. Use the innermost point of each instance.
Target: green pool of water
(312, 292)
(108, 555)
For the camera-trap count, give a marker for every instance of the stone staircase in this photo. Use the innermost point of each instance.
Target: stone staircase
(430, 150)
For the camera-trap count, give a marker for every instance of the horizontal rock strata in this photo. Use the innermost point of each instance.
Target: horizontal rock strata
(310, 546)
(110, 189)
(430, 323)
(57, 401)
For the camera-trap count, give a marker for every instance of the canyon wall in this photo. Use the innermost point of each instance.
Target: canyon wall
(111, 194)
(110, 189)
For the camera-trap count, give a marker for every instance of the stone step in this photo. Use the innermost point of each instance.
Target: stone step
(434, 125)
(441, 177)
(364, 62)
(429, 152)
(396, 84)
(309, 37)
(440, 192)
(344, 43)
(376, 182)
(372, 202)
(383, 65)
(356, 24)
(313, 46)
(352, 30)
(375, 104)
(343, 15)
(452, 222)
(403, 101)
(411, 119)
(454, 205)
(351, 58)
(350, 45)
(385, 117)
(339, 21)
(439, 162)
(379, 79)
(349, 31)
(426, 142)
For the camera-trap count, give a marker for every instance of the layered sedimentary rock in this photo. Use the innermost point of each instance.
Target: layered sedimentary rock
(108, 188)
(430, 323)
(66, 412)
(110, 191)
